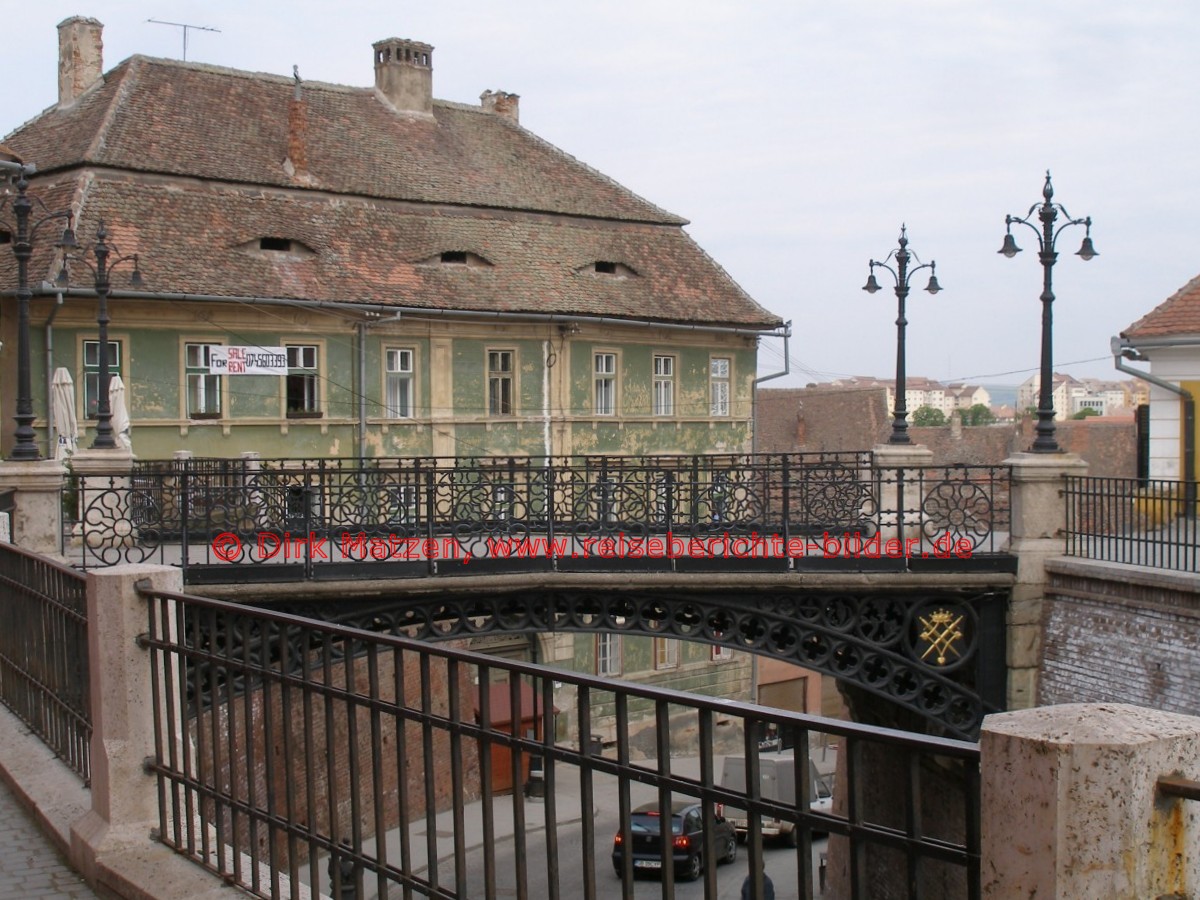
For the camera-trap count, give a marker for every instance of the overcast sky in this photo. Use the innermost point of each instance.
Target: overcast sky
(797, 136)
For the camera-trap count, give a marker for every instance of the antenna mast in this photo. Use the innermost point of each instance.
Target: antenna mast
(185, 28)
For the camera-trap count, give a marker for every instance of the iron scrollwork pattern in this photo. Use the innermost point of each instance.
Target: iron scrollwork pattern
(205, 513)
(872, 640)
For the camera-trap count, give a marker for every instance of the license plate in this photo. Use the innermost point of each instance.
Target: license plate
(647, 864)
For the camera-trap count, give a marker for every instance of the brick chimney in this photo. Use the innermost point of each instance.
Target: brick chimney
(80, 57)
(502, 104)
(296, 163)
(404, 74)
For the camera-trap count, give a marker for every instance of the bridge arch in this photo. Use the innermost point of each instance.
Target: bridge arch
(938, 651)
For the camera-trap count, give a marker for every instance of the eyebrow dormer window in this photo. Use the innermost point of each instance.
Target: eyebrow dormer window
(272, 245)
(608, 268)
(454, 258)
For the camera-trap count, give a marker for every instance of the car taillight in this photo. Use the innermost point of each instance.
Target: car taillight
(682, 842)
(617, 838)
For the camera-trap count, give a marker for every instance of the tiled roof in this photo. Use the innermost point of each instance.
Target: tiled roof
(203, 239)
(154, 115)
(1179, 314)
(186, 164)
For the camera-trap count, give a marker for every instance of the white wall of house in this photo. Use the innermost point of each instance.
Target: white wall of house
(1174, 364)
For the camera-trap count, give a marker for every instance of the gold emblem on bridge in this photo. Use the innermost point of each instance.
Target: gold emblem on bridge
(942, 633)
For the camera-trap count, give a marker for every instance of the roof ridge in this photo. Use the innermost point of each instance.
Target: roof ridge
(127, 69)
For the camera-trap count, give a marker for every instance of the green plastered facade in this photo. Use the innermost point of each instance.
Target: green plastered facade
(553, 409)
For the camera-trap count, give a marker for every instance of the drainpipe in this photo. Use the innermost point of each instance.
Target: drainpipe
(1121, 348)
(787, 368)
(361, 328)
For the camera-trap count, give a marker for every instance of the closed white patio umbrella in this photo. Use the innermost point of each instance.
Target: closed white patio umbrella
(66, 424)
(120, 412)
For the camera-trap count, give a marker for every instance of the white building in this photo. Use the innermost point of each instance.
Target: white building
(1168, 337)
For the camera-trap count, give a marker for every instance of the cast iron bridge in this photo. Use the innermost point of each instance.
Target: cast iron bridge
(892, 579)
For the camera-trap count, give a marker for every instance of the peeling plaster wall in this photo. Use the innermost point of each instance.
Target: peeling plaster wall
(553, 384)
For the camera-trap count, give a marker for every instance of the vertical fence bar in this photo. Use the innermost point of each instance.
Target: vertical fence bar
(583, 707)
(485, 775)
(912, 819)
(428, 770)
(458, 800)
(517, 760)
(403, 791)
(549, 787)
(378, 794)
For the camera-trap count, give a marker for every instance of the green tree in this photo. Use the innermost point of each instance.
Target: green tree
(927, 415)
(979, 414)
(1085, 413)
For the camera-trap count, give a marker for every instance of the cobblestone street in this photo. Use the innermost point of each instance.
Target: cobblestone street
(30, 867)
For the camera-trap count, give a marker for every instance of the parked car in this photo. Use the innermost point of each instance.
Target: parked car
(777, 780)
(687, 828)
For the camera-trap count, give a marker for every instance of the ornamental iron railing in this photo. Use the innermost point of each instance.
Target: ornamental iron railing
(295, 757)
(1136, 521)
(44, 653)
(251, 519)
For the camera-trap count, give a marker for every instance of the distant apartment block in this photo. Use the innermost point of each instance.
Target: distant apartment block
(1073, 395)
(919, 392)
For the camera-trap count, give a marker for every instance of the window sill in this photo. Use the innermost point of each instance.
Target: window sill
(304, 415)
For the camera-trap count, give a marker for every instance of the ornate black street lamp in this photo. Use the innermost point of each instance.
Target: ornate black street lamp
(902, 274)
(23, 206)
(1047, 213)
(101, 270)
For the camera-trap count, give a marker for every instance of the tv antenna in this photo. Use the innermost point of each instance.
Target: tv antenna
(185, 28)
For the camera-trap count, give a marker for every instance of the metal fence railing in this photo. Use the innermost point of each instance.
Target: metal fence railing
(296, 757)
(44, 653)
(294, 519)
(1141, 522)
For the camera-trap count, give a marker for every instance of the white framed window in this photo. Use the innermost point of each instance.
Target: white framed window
(91, 372)
(402, 504)
(718, 385)
(608, 654)
(664, 386)
(303, 398)
(503, 497)
(203, 388)
(501, 365)
(666, 653)
(398, 382)
(720, 653)
(604, 368)
(660, 495)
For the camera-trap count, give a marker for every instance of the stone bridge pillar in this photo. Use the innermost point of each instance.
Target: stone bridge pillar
(113, 845)
(1071, 805)
(1039, 518)
(37, 506)
(904, 496)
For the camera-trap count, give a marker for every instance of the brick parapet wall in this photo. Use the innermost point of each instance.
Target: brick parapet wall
(1120, 633)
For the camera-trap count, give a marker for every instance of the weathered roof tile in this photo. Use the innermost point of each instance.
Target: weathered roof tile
(186, 163)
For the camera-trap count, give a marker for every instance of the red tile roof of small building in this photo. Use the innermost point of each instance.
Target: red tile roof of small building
(1179, 314)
